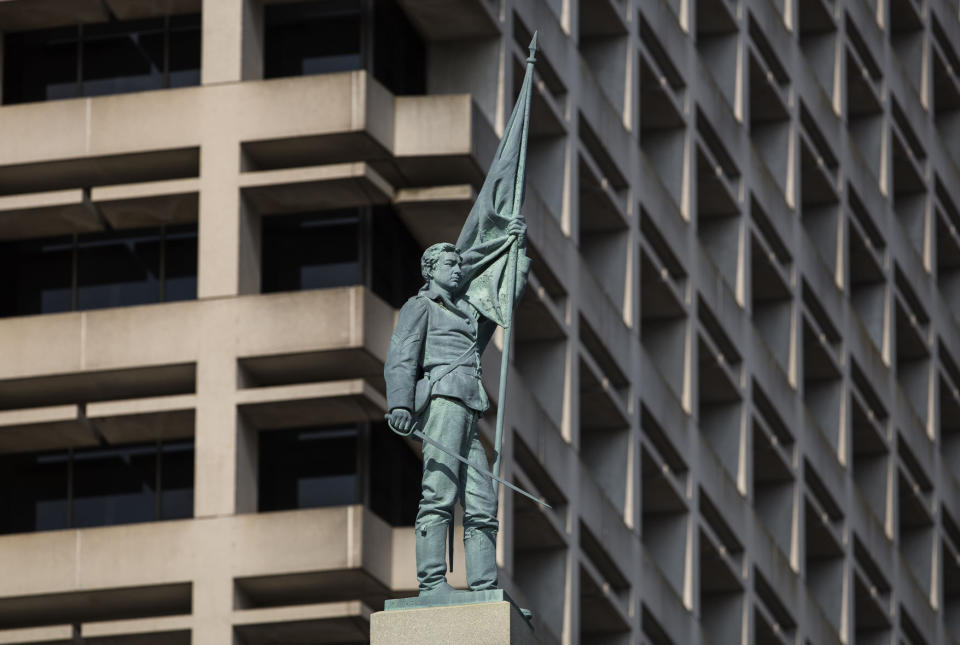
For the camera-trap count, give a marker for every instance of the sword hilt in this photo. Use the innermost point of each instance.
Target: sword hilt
(397, 430)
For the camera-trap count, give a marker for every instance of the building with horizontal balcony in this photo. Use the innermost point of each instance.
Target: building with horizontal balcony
(736, 371)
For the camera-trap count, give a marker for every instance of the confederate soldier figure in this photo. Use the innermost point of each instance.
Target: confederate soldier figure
(433, 371)
(433, 364)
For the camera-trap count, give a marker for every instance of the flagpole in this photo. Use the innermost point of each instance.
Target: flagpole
(512, 262)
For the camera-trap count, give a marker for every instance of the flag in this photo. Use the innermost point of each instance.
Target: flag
(483, 243)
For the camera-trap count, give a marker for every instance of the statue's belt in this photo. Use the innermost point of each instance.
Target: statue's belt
(424, 386)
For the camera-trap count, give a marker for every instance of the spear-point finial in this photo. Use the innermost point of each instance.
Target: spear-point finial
(533, 49)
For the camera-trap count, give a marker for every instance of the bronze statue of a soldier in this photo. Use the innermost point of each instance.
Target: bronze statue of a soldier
(435, 353)
(433, 373)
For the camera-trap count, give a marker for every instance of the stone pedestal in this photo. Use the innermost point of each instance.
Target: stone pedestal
(462, 618)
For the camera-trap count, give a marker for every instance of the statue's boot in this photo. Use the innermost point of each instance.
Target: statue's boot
(431, 560)
(480, 553)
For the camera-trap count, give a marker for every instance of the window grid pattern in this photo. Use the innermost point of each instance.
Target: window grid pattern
(737, 368)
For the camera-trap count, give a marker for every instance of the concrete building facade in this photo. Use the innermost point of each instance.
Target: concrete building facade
(736, 372)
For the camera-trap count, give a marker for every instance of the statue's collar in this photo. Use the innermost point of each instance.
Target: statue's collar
(428, 291)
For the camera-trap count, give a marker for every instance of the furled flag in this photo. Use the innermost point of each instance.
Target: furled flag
(488, 263)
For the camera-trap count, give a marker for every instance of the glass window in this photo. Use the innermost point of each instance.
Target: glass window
(183, 51)
(311, 251)
(115, 270)
(40, 65)
(96, 270)
(96, 487)
(308, 468)
(331, 249)
(36, 276)
(34, 492)
(98, 59)
(311, 38)
(399, 55)
(176, 480)
(114, 486)
(394, 258)
(327, 36)
(395, 475)
(180, 263)
(123, 57)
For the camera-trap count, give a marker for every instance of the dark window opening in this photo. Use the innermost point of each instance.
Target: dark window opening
(113, 271)
(122, 57)
(179, 281)
(41, 65)
(304, 38)
(395, 258)
(334, 249)
(102, 486)
(112, 487)
(97, 270)
(183, 51)
(308, 468)
(98, 59)
(399, 55)
(310, 251)
(395, 475)
(35, 496)
(321, 467)
(37, 276)
(311, 38)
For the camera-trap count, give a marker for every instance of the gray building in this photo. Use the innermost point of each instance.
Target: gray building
(736, 375)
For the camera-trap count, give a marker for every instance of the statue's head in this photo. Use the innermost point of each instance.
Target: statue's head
(440, 264)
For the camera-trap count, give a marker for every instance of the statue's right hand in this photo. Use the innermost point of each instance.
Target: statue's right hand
(401, 420)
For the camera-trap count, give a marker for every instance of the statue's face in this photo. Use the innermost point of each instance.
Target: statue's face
(446, 272)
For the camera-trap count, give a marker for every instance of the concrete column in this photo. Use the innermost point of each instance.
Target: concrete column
(2, 50)
(229, 232)
(225, 475)
(213, 603)
(447, 60)
(232, 41)
(225, 449)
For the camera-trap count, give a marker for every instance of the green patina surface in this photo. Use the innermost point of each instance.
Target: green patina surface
(456, 598)
(433, 372)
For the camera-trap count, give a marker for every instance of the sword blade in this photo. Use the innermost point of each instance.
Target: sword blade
(477, 468)
(464, 460)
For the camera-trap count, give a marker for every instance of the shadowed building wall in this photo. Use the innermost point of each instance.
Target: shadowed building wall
(737, 366)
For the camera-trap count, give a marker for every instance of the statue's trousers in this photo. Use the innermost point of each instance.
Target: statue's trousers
(446, 480)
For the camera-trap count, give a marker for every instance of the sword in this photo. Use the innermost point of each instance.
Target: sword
(447, 451)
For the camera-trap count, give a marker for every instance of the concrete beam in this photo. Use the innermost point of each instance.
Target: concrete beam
(81, 561)
(298, 406)
(153, 203)
(168, 334)
(23, 15)
(152, 419)
(49, 428)
(452, 19)
(54, 635)
(174, 630)
(332, 622)
(297, 190)
(434, 214)
(60, 212)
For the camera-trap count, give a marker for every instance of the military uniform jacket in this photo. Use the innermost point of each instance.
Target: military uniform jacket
(433, 331)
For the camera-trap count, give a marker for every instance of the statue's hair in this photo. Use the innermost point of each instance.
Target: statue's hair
(432, 255)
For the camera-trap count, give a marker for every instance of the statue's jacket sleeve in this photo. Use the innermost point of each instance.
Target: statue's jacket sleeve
(404, 358)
